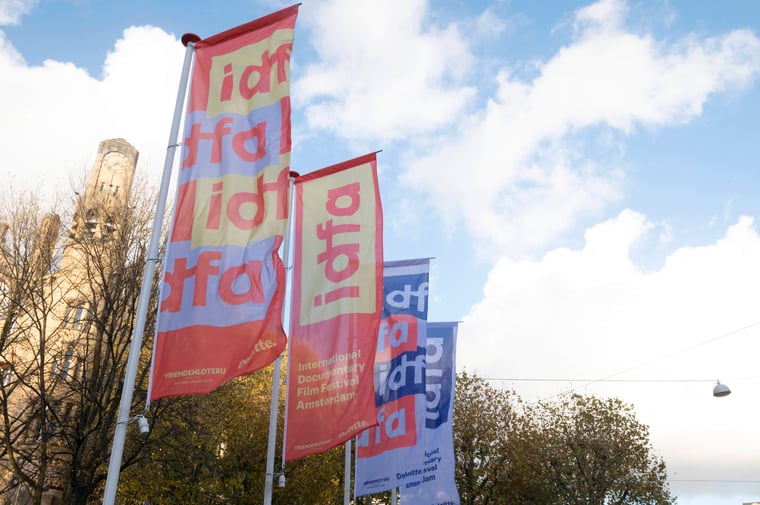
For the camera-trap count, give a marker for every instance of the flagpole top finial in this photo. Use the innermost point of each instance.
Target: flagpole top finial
(189, 37)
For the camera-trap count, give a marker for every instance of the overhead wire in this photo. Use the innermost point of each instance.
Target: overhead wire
(670, 355)
(609, 378)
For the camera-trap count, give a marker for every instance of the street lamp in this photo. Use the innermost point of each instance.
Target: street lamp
(721, 390)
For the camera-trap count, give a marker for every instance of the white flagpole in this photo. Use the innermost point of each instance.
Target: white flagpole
(117, 449)
(287, 389)
(347, 472)
(275, 404)
(268, 484)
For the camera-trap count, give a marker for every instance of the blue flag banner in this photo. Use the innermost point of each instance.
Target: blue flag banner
(434, 482)
(384, 451)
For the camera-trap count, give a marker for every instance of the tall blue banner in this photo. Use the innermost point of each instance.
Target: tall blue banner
(434, 482)
(384, 452)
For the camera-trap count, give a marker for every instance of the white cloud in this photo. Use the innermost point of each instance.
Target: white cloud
(141, 79)
(666, 233)
(12, 10)
(603, 15)
(585, 301)
(527, 182)
(380, 73)
(57, 113)
(592, 313)
(490, 25)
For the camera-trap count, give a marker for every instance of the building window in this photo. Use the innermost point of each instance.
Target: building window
(67, 364)
(7, 376)
(91, 222)
(76, 318)
(4, 302)
(14, 335)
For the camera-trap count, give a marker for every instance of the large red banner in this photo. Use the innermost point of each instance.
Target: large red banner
(336, 306)
(223, 287)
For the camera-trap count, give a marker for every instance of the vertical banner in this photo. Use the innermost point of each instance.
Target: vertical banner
(223, 287)
(336, 306)
(434, 482)
(399, 381)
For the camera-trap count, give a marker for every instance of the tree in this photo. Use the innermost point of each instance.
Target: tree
(103, 263)
(595, 451)
(574, 450)
(69, 298)
(314, 479)
(205, 447)
(495, 443)
(212, 448)
(28, 344)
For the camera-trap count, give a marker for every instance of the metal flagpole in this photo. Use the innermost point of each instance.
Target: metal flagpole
(285, 420)
(275, 404)
(117, 449)
(347, 472)
(268, 484)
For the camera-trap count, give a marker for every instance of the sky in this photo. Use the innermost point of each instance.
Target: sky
(585, 176)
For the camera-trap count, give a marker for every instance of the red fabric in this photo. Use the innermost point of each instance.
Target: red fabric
(336, 307)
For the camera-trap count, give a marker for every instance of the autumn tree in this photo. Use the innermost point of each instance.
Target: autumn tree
(103, 263)
(205, 447)
(29, 344)
(571, 450)
(69, 300)
(212, 448)
(495, 444)
(595, 452)
(314, 479)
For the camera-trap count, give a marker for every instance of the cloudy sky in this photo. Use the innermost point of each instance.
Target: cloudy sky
(586, 176)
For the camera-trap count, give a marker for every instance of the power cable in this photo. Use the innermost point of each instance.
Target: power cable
(718, 481)
(608, 378)
(591, 381)
(674, 353)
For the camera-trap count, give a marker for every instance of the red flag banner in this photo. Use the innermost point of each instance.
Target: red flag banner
(336, 306)
(223, 286)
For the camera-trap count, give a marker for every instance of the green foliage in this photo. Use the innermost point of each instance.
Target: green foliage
(495, 443)
(571, 451)
(596, 452)
(208, 449)
(314, 480)
(205, 447)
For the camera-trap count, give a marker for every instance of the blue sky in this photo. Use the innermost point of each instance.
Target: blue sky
(584, 174)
